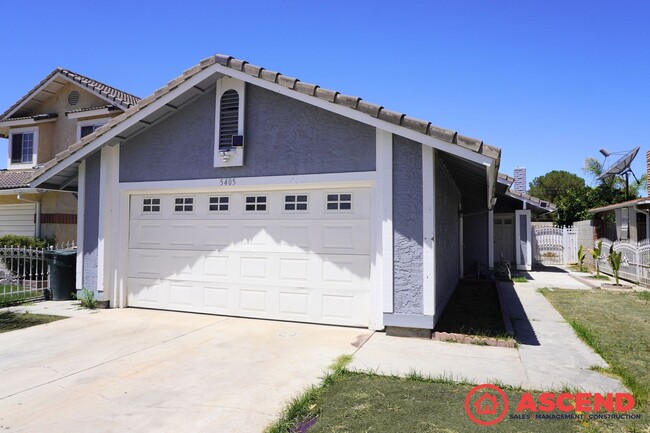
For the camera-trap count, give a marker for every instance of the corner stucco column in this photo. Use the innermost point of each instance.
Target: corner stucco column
(523, 245)
(108, 228)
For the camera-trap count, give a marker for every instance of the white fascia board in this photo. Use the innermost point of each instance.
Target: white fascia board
(124, 125)
(25, 122)
(91, 113)
(530, 202)
(359, 116)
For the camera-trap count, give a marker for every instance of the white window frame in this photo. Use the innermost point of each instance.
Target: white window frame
(296, 194)
(237, 157)
(92, 122)
(151, 212)
(256, 196)
(218, 211)
(184, 197)
(22, 165)
(339, 210)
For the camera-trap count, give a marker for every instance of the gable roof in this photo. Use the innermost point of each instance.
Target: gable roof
(57, 79)
(196, 80)
(538, 205)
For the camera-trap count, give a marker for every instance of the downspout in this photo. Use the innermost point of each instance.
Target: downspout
(38, 212)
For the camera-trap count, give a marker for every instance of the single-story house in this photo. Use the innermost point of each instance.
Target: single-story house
(241, 191)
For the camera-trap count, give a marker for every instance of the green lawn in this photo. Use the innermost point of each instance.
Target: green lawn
(10, 295)
(10, 321)
(617, 324)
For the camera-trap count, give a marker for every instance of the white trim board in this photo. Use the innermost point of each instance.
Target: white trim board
(428, 229)
(382, 207)
(333, 180)
(81, 212)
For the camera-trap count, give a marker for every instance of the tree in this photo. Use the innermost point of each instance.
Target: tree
(554, 184)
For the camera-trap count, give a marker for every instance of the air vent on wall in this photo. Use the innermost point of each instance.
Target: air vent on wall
(73, 97)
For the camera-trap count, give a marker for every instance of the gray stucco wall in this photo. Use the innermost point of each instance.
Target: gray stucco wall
(282, 136)
(446, 244)
(91, 222)
(407, 226)
(475, 239)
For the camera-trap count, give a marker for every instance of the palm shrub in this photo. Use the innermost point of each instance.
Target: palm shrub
(595, 253)
(614, 259)
(581, 257)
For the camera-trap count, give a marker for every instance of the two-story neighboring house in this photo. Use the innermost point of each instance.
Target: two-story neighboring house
(57, 112)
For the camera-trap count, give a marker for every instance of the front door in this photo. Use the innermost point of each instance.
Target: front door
(504, 238)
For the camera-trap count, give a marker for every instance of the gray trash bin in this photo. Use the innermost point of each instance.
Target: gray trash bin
(63, 270)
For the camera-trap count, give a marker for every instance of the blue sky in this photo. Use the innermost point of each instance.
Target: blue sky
(549, 82)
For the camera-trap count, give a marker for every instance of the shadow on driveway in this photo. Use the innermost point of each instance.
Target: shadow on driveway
(515, 314)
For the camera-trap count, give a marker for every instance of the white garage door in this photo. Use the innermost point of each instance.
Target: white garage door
(301, 256)
(17, 219)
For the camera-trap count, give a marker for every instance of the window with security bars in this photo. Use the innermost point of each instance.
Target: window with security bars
(183, 204)
(151, 205)
(256, 203)
(339, 201)
(228, 118)
(295, 202)
(219, 204)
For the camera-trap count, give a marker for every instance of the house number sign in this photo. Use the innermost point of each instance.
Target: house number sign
(228, 181)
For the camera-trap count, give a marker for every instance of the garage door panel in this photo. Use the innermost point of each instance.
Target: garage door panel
(311, 266)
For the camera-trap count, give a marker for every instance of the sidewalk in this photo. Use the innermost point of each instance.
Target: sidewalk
(551, 356)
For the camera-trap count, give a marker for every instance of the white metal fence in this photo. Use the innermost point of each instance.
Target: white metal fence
(24, 274)
(635, 260)
(555, 245)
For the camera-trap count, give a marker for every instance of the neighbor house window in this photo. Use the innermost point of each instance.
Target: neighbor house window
(219, 204)
(256, 203)
(87, 127)
(23, 147)
(183, 204)
(339, 201)
(295, 202)
(151, 205)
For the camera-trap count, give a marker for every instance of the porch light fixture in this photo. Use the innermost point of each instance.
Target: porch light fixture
(226, 154)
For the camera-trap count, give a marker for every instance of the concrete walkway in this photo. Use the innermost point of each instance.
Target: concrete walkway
(551, 356)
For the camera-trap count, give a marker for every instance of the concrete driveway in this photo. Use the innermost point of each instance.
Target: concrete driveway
(126, 370)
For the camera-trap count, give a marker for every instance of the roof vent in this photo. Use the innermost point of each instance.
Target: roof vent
(73, 97)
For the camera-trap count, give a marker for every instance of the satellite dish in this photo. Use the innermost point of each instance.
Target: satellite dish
(621, 166)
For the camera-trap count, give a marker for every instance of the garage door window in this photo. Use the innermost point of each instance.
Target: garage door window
(339, 202)
(151, 205)
(219, 204)
(256, 203)
(184, 204)
(295, 202)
